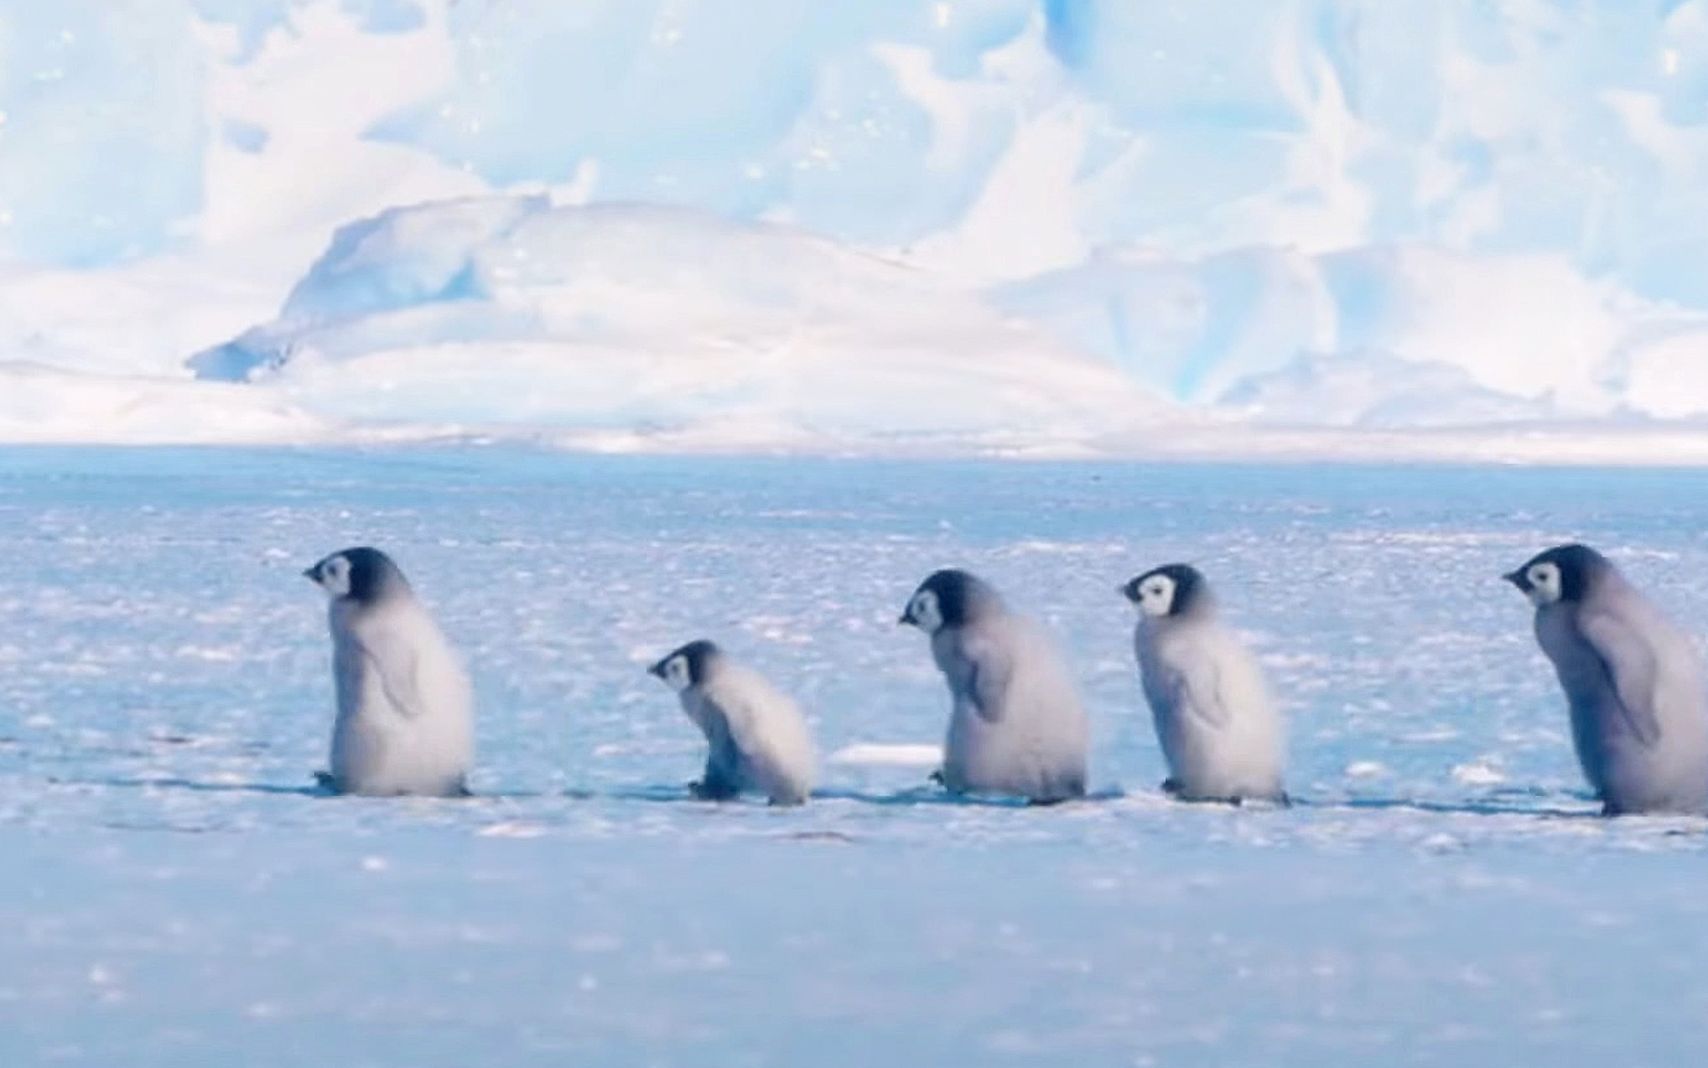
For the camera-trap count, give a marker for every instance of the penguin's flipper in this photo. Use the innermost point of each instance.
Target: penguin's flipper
(398, 665)
(1632, 665)
(987, 682)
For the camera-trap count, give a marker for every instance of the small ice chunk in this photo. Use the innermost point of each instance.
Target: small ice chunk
(889, 754)
(1477, 773)
(511, 829)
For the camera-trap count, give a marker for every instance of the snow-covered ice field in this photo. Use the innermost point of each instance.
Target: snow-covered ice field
(173, 894)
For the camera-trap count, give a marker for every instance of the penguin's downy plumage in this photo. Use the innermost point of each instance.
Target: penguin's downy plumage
(1634, 683)
(405, 722)
(1219, 731)
(756, 736)
(1016, 724)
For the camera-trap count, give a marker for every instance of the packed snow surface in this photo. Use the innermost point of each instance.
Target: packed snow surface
(1442, 893)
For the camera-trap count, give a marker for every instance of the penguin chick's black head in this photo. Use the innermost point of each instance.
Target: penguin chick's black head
(686, 666)
(361, 574)
(1169, 590)
(1563, 573)
(949, 598)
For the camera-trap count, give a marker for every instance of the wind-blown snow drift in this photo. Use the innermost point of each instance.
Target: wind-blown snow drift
(624, 321)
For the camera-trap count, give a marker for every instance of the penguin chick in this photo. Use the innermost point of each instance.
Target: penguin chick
(1016, 725)
(1219, 731)
(756, 737)
(405, 722)
(1633, 681)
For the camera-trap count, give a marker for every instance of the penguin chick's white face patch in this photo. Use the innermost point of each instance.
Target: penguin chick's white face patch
(335, 577)
(1156, 595)
(676, 673)
(1545, 584)
(926, 612)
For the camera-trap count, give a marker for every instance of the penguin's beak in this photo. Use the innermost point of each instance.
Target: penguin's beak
(656, 670)
(906, 618)
(1517, 579)
(310, 573)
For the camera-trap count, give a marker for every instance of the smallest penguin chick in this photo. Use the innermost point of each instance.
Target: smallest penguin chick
(756, 737)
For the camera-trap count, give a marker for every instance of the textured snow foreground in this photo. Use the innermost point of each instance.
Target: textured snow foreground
(1442, 894)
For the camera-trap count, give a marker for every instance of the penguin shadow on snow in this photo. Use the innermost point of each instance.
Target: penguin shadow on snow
(1534, 802)
(172, 782)
(1507, 801)
(907, 797)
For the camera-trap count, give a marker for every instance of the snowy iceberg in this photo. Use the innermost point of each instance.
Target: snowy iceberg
(624, 323)
(1446, 337)
(1311, 212)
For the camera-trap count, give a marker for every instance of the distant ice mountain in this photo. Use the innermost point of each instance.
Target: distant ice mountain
(614, 320)
(1500, 207)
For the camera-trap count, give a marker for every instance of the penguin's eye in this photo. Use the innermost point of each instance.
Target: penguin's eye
(677, 672)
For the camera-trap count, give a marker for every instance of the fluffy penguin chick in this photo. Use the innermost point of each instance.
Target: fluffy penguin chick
(1633, 682)
(405, 708)
(756, 737)
(1016, 725)
(1219, 731)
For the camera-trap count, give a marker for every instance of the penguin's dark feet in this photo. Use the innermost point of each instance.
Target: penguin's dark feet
(1170, 787)
(937, 777)
(325, 781)
(716, 791)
